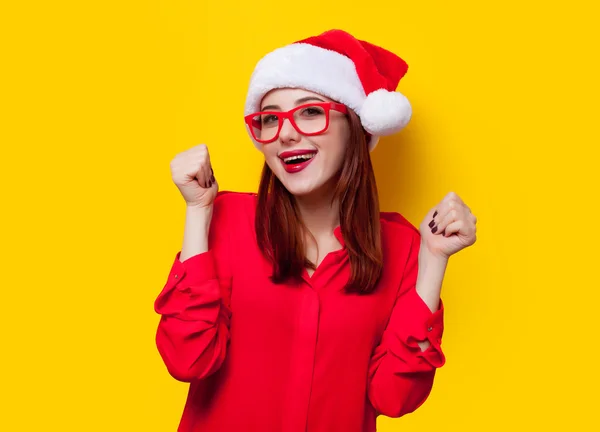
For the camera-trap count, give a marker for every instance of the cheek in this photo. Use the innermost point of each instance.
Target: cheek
(337, 148)
(270, 157)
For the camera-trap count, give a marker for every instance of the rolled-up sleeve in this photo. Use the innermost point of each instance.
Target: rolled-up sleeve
(194, 304)
(400, 373)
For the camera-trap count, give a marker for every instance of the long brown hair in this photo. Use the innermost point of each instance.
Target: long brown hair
(280, 230)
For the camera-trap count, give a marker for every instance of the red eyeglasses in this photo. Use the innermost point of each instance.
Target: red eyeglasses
(309, 119)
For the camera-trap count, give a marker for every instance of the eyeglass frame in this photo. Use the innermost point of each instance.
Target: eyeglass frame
(282, 115)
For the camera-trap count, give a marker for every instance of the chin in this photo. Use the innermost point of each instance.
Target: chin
(307, 182)
(299, 187)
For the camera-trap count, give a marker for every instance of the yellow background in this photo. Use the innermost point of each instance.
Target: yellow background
(98, 97)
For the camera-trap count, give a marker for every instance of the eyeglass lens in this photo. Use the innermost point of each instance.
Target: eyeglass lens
(309, 120)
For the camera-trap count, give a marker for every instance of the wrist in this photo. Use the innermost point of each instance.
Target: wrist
(428, 257)
(198, 211)
(431, 272)
(196, 232)
(198, 207)
(198, 218)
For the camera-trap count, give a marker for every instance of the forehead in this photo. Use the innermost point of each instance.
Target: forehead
(288, 96)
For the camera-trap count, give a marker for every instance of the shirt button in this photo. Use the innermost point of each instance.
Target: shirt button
(429, 328)
(176, 276)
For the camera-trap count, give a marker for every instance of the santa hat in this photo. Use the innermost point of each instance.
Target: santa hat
(356, 73)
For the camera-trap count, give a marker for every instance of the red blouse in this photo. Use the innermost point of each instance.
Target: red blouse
(266, 357)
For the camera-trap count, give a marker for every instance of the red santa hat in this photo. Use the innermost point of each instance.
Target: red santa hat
(356, 73)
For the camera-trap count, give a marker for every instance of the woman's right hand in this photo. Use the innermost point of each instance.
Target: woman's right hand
(193, 175)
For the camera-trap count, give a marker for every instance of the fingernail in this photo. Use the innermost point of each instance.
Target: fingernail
(434, 229)
(435, 213)
(212, 178)
(431, 224)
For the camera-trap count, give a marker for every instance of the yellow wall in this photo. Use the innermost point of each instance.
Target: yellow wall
(99, 96)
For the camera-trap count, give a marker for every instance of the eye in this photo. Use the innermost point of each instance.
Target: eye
(313, 111)
(269, 120)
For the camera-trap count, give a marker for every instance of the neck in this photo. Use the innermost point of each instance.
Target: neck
(319, 213)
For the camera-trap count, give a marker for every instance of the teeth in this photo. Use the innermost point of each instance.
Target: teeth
(299, 157)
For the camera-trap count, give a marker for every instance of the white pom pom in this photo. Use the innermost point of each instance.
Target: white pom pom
(384, 112)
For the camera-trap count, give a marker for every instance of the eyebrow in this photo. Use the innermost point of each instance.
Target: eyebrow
(298, 102)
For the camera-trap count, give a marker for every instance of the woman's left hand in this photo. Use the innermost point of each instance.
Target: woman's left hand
(448, 227)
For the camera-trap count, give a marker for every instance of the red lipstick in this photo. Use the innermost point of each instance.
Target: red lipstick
(294, 161)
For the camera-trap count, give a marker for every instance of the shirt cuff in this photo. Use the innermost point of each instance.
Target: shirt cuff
(420, 323)
(194, 270)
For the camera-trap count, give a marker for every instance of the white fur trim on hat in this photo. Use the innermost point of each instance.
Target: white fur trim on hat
(309, 67)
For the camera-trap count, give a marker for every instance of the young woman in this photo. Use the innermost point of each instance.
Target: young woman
(303, 307)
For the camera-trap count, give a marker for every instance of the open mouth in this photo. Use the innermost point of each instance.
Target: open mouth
(292, 160)
(296, 161)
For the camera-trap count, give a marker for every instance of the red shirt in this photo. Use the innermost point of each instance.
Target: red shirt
(266, 357)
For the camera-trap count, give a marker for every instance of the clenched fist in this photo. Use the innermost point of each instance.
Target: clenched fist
(193, 175)
(448, 227)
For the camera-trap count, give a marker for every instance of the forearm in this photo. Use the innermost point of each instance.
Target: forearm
(195, 236)
(402, 367)
(429, 281)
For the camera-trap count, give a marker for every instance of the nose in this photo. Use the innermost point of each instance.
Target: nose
(288, 134)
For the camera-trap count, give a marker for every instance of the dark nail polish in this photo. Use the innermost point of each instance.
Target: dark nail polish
(434, 215)
(432, 223)
(212, 178)
(434, 229)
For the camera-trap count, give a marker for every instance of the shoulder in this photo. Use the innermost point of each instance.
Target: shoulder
(398, 232)
(234, 208)
(235, 201)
